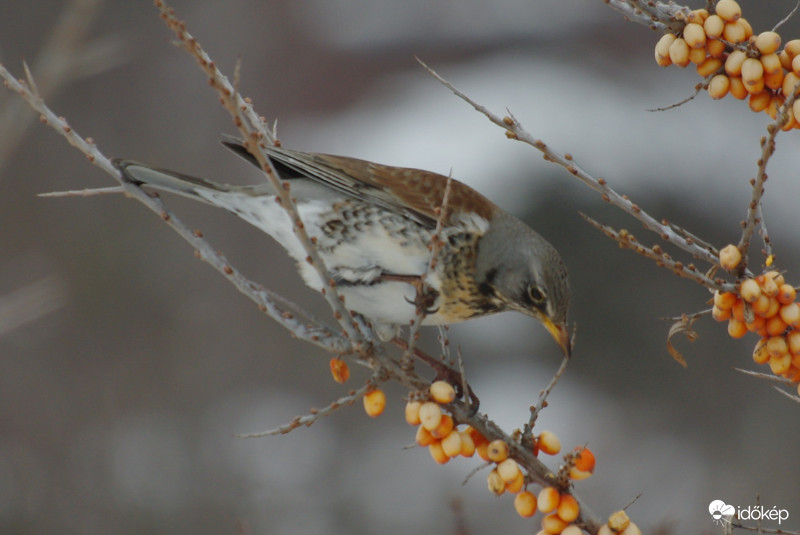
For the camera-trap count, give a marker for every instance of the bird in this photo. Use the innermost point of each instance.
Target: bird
(373, 226)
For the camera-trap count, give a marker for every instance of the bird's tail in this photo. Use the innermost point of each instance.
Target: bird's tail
(186, 185)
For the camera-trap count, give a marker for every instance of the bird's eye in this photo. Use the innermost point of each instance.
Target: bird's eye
(536, 295)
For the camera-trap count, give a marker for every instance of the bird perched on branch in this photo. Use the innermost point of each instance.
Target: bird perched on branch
(373, 226)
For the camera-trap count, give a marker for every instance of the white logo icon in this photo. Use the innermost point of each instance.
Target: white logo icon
(721, 512)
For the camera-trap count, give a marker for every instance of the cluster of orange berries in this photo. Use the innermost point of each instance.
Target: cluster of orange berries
(746, 65)
(437, 431)
(766, 306)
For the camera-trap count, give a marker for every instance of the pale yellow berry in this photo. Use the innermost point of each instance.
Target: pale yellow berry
(768, 42)
(697, 16)
(662, 49)
(718, 86)
(497, 450)
(697, 55)
(412, 412)
(572, 530)
(713, 26)
(467, 444)
(780, 365)
(430, 415)
(790, 84)
(733, 63)
(525, 504)
(568, 508)
(451, 444)
(752, 74)
(760, 353)
(796, 65)
(632, 529)
(734, 32)
(777, 346)
(495, 483)
(516, 484)
(548, 443)
(790, 314)
(618, 521)
(508, 469)
(729, 10)
(749, 290)
(548, 499)
(374, 403)
(793, 339)
(679, 52)
(771, 63)
(694, 35)
(729, 256)
(442, 392)
(437, 452)
(605, 530)
(552, 524)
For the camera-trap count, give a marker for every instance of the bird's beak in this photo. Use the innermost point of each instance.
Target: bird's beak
(560, 334)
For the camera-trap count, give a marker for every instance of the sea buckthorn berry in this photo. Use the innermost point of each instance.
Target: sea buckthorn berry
(442, 392)
(759, 101)
(495, 483)
(694, 35)
(737, 310)
(757, 325)
(777, 346)
(548, 499)
(771, 63)
(467, 445)
(780, 365)
(713, 26)
(716, 48)
(760, 353)
(729, 10)
(749, 290)
(733, 66)
(605, 530)
(374, 403)
(737, 89)
(734, 32)
(790, 314)
(437, 452)
(761, 305)
(497, 450)
(776, 326)
(768, 42)
(786, 294)
(430, 415)
(632, 529)
(568, 508)
(339, 370)
(709, 66)
(752, 74)
(548, 443)
(774, 308)
(679, 52)
(793, 340)
(720, 314)
(618, 521)
(718, 86)
(725, 300)
(697, 55)
(786, 60)
(451, 444)
(516, 484)
(662, 49)
(736, 328)
(584, 459)
(572, 530)
(790, 84)
(412, 412)
(552, 524)
(508, 469)
(525, 504)
(796, 65)
(792, 48)
(424, 437)
(769, 286)
(483, 451)
(444, 428)
(729, 256)
(774, 80)
(697, 16)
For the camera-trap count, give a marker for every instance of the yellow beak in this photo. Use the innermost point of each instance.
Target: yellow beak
(560, 334)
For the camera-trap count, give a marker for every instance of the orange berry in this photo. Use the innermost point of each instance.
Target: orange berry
(780, 365)
(774, 308)
(412, 412)
(548, 443)
(515, 485)
(792, 47)
(789, 85)
(725, 300)
(424, 437)
(632, 529)
(584, 459)
(339, 370)
(697, 55)
(508, 469)
(733, 66)
(734, 32)
(451, 444)
(442, 392)
(759, 102)
(729, 10)
(476, 435)
(568, 508)
(736, 328)
(497, 450)
(776, 326)
(548, 499)
(719, 85)
(720, 314)
(552, 524)
(679, 52)
(777, 346)
(662, 49)
(753, 75)
(697, 16)
(768, 42)
(771, 63)
(749, 290)
(737, 311)
(786, 294)
(495, 483)
(437, 452)
(774, 80)
(786, 60)
(790, 314)
(737, 89)
(796, 65)
(758, 324)
(525, 504)
(374, 403)
(716, 48)
(713, 26)
(761, 305)
(467, 444)
(760, 353)
(445, 427)
(483, 451)
(769, 286)
(572, 530)
(694, 35)
(430, 415)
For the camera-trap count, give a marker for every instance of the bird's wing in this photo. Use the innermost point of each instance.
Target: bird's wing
(413, 193)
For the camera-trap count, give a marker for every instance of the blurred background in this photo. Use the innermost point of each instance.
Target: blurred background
(127, 366)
